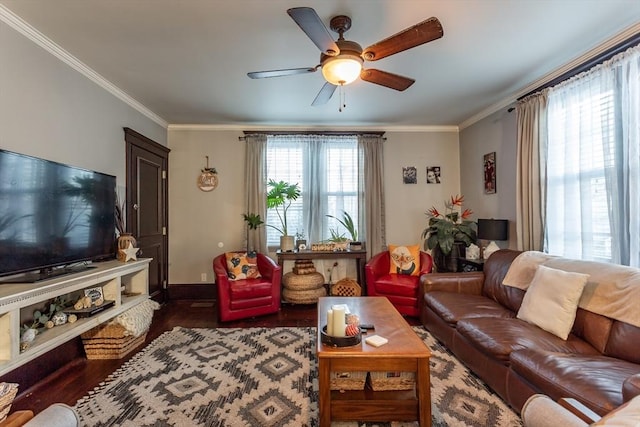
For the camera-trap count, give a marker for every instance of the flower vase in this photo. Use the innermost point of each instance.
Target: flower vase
(123, 243)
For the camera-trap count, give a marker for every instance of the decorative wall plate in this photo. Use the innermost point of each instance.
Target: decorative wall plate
(208, 181)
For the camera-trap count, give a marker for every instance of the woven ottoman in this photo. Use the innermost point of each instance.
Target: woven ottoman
(303, 288)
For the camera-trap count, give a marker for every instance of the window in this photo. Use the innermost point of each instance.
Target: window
(326, 167)
(592, 160)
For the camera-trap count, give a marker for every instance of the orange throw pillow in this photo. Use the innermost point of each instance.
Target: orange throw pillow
(404, 260)
(242, 265)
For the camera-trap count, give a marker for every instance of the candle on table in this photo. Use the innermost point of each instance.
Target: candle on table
(339, 323)
(329, 322)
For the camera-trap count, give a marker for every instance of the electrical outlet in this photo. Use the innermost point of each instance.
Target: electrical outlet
(203, 277)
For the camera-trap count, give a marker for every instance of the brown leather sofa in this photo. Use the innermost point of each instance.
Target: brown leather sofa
(474, 315)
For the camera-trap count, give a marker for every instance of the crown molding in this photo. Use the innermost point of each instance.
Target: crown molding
(245, 127)
(598, 50)
(21, 26)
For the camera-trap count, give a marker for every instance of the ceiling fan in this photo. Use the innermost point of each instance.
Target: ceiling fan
(342, 60)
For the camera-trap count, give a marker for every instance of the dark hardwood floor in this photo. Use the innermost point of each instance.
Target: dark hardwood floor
(75, 379)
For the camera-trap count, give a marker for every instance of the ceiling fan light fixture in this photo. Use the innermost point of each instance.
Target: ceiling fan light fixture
(342, 69)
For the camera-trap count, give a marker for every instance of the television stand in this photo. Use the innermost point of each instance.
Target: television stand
(126, 284)
(46, 274)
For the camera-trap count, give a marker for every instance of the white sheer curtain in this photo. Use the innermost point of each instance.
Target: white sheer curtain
(593, 164)
(326, 169)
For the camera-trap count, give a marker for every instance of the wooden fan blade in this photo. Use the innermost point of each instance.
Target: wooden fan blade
(280, 73)
(421, 33)
(383, 78)
(309, 21)
(324, 95)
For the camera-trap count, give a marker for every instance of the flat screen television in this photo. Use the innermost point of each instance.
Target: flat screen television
(53, 217)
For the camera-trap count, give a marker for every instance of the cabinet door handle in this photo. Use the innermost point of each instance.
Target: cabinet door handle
(135, 206)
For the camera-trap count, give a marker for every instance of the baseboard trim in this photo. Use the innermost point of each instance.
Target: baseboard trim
(192, 291)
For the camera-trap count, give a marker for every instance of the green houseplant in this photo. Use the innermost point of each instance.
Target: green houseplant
(280, 195)
(447, 233)
(349, 225)
(253, 222)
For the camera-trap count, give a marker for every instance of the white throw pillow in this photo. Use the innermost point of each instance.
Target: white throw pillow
(552, 300)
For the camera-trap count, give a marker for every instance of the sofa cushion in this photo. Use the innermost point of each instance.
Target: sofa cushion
(497, 337)
(397, 284)
(404, 260)
(249, 288)
(593, 379)
(242, 265)
(452, 307)
(552, 300)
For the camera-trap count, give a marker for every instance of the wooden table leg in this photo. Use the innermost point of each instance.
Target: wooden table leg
(423, 386)
(324, 395)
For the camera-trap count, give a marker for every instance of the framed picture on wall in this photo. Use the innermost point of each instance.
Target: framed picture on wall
(409, 175)
(490, 173)
(433, 174)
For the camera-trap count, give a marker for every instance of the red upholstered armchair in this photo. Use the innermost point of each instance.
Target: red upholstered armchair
(240, 299)
(401, 290)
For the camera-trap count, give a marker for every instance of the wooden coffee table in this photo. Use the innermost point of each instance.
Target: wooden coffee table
(405, 352)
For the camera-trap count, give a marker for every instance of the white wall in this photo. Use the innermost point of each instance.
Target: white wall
(497, 132)
(406, 204)
(49, 110)
(199, 221)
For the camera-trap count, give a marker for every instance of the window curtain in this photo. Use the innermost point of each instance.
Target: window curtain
(255, 184)
(530, 171)
(593, 156)
(372, 202)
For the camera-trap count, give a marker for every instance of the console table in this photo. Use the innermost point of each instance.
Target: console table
(359, 256)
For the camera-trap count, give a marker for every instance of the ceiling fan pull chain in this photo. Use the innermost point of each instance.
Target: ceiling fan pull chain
(343, 98)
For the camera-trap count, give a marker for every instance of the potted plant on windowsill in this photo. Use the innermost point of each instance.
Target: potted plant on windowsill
(448, 233)
(349, 225)
(280, 195)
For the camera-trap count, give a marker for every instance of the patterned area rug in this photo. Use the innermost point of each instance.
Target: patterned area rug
(260, 377)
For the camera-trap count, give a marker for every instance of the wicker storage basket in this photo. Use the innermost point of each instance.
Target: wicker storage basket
(381, 381)
(303, 297)
(346, 288)
(348, 380)
(303, 282)
(8, 392)
(109, 342)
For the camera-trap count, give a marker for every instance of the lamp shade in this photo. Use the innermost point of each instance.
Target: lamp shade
(342, 69)
(493, 229)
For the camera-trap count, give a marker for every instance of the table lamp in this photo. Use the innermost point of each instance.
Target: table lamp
(492, 229)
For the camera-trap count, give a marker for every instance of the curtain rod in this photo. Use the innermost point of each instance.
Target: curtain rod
(332, 133)
(588, 64)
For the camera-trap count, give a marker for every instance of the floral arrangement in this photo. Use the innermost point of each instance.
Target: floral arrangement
(450, 226)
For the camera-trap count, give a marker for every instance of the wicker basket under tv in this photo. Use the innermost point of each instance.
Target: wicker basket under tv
(109, 342)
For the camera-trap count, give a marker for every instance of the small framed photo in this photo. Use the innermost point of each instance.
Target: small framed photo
(433, 174)
(490, 173)
(409, 175)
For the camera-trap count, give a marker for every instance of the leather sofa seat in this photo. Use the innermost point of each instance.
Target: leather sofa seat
(498, 337)
(453, 307)
(596, 378)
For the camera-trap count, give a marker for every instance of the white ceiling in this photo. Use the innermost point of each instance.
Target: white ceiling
(187, 61)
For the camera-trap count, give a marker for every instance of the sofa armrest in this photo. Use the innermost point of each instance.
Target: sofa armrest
(56, 415)
(631, 387)
(461, 283)
(540, 411)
